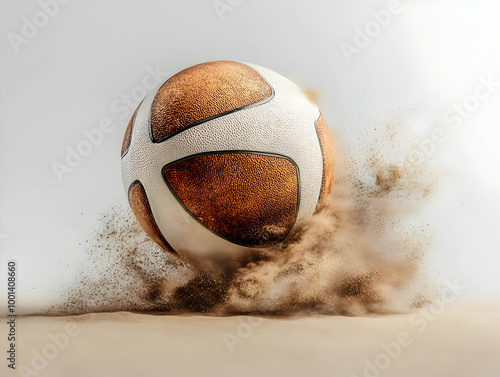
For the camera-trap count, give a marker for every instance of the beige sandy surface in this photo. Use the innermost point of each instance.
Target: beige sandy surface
(462, 340)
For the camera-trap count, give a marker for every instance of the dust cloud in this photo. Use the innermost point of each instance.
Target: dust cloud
(362, 253)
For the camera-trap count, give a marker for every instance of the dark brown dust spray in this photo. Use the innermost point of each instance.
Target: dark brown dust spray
(362, 253)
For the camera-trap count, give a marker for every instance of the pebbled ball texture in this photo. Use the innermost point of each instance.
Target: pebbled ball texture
(204, 91)
(140, 206)
(249, 199)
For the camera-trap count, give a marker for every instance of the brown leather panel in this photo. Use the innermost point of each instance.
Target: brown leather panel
(249, 199)
(326, 142)
(127, 139)
(203, 91)
(142, 211)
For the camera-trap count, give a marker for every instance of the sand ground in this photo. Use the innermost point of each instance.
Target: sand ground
(461, 339)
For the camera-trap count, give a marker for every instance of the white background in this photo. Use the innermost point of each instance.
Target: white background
(67, 77)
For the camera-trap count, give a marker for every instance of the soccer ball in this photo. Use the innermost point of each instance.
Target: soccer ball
(224, 159)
